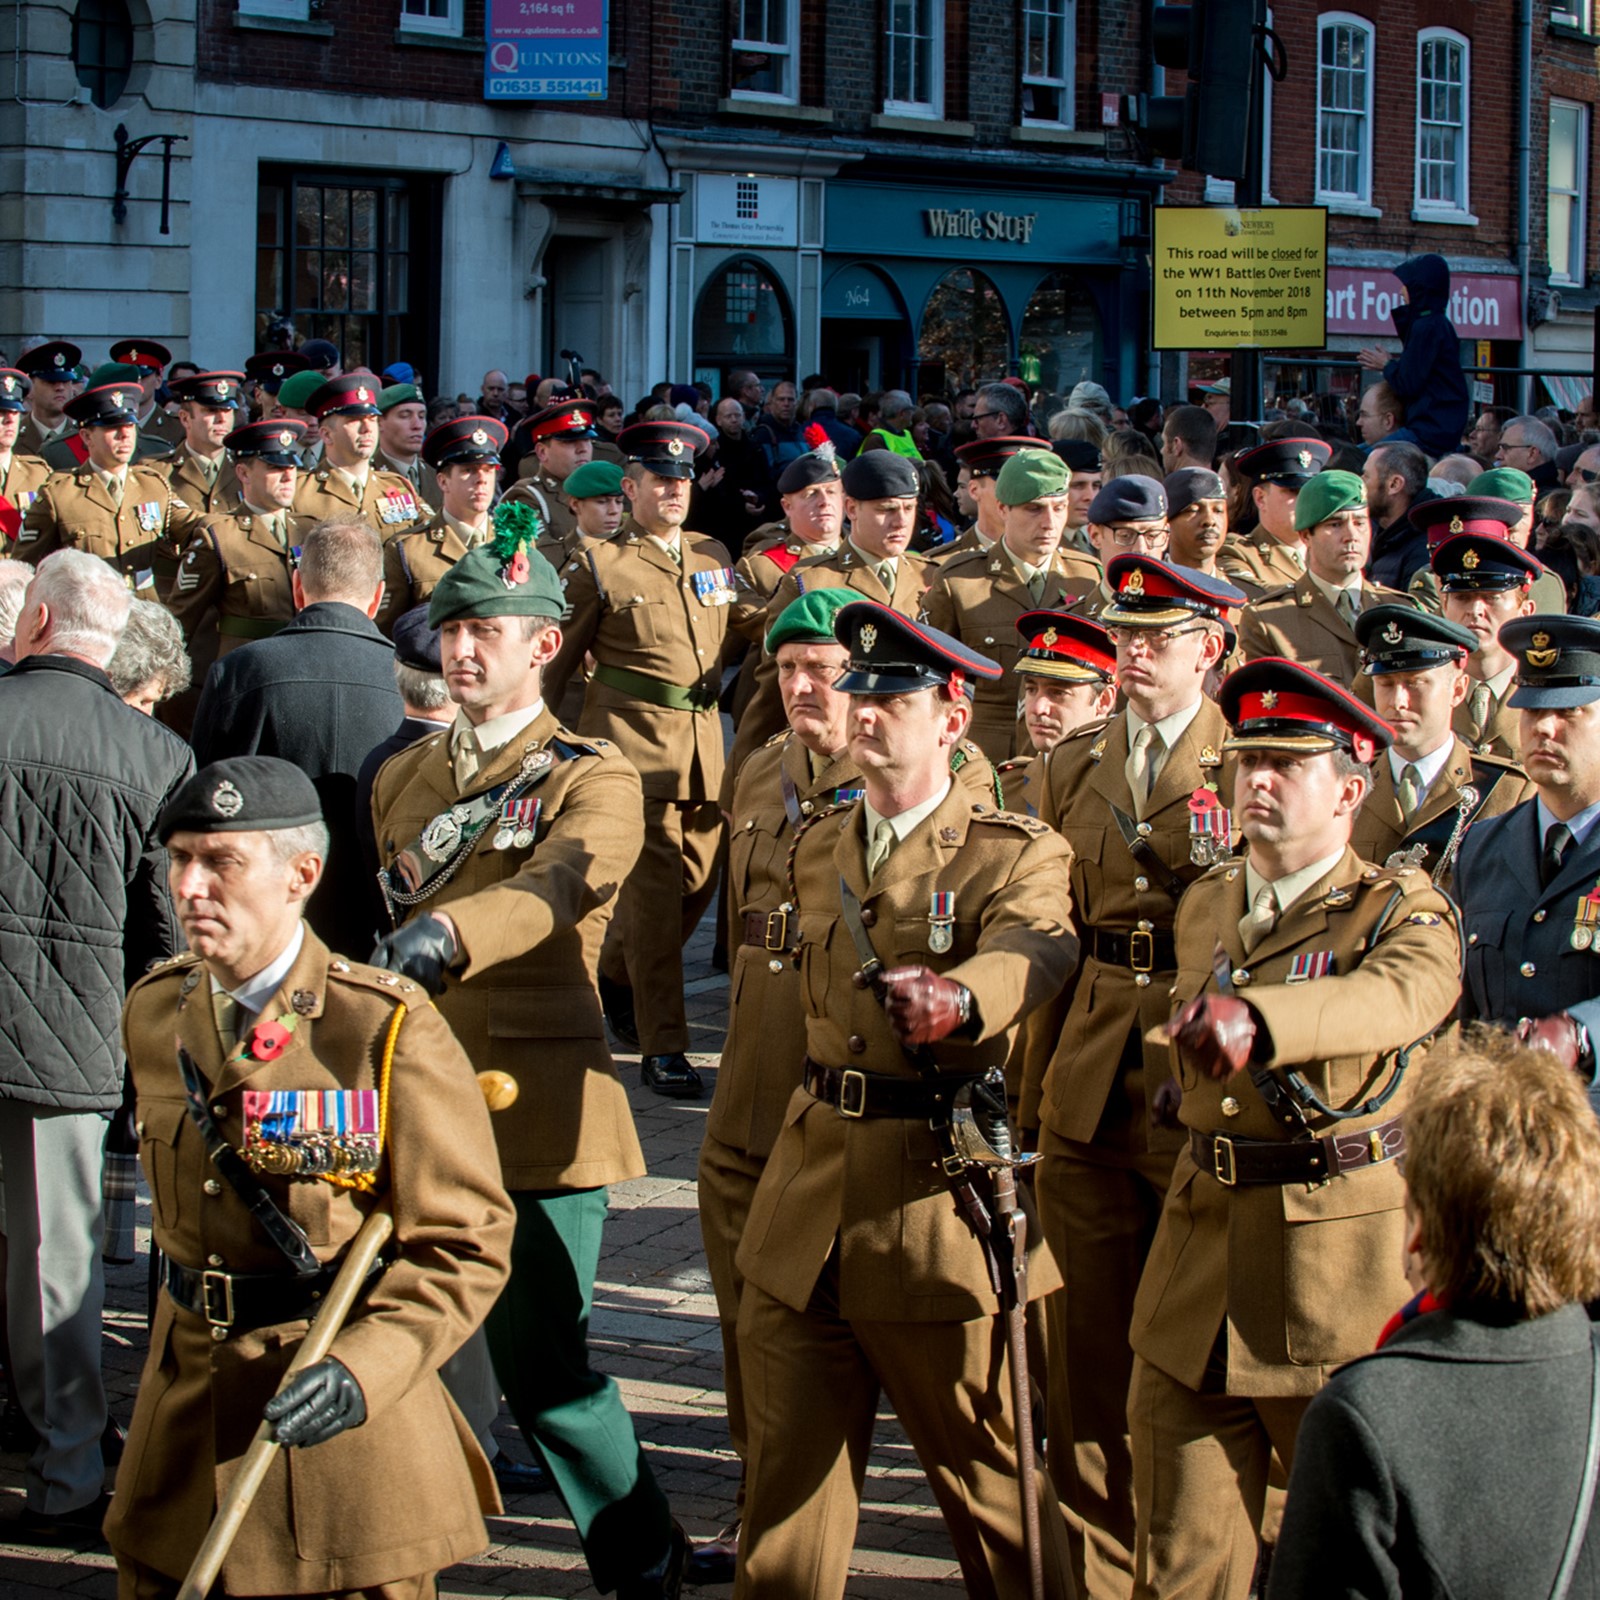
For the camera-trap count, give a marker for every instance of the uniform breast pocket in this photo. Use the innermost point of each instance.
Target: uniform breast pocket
(1088, 875)
(1486, 962)
(309, 1203)
(161, 1124)
(818, 954)
(642, 618)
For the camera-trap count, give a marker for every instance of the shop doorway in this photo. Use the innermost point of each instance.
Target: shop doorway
(577, 307)
(742, 319)
(1060, 342)
(865, 331)
(965, 337)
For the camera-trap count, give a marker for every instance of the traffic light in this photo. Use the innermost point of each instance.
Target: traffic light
(1218, 43)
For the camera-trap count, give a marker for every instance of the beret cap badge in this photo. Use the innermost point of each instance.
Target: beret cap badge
(226, 800)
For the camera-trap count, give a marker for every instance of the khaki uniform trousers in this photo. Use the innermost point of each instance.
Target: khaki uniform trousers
(1098, 1206)
(644, 944)
(1202, 1462)
(136, 1582)
(812, 1385)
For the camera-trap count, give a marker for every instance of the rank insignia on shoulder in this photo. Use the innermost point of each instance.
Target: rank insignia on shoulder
(1423, 919)
(1313, 964)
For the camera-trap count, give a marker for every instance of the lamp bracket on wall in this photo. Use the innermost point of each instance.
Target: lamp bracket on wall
(129, 151)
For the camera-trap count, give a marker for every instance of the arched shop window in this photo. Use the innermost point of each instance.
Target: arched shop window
(1060, 343)
(743, 318)
(964, 331)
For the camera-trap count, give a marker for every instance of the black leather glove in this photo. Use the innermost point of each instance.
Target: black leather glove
(422, 950)
(316, 1404)
(989, 1113)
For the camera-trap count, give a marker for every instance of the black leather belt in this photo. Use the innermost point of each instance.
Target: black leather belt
(1144, 950)
(237, 1302)
(767, 929)
(853, 1093)
(1248, 1161)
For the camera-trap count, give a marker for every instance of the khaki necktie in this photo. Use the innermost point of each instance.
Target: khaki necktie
(885, 575)
(882, 843)
(675, 554)
(117, 488)
(226, 1010)
(467, 759)
(209, 467)
(1478, 709)
(1349, 606)
(1411, 790)
(1036, 588)
(1257, 922)
(1141, 767)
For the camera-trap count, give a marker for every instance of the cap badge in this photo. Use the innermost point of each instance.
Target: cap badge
(1048, 638)
(58, 359)
(869, 637)
(479, 436)
(116, 397)
(226, 801)
(1457, 525)
(1304, 457)
(1472, 561)
(8, 384)
(1135, 582)
(285, 439)
(277, 369)
(133, 357)
(223, 389)
(1269, 700)
(674, 447)
(364, 396)
(1392, 634)
(1539, 653)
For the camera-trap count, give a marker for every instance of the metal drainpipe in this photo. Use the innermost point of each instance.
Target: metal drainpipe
(1524, 155)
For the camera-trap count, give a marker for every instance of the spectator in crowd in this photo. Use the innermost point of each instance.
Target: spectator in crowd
(1396, 478)
(1584, 506)
(609, 419)
(1188, 439)
(1092, 397)
(1426, 376)
(150, 663)
(15, 576)
(1217, 398)
(1380, 415)
(1530, 446)
(83, 911)
(319, 693)
(1449, 1462)
(1000, 410)
(1079, 425)
(893, 428)
(1123, 445)
(777, 433)
(733, 493)
(1585, 466)
(749, 391)
(1146, 415)
(1483, 437)
(1459, 470)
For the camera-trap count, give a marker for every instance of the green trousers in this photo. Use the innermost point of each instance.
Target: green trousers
(538, 1335)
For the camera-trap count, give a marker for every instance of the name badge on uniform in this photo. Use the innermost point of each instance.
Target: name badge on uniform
(941, 922)
(1314, 964)
(1587, 920)
(714, 587)
(150, 518)
(311, 1133)
(518, 819)
(1210, 828)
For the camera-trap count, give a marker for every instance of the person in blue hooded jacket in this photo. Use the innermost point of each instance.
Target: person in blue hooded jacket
(1427, 374)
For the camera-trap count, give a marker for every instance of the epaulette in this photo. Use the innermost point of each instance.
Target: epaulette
(1031, 826)
(825, 558)
(1501, 766)
(1013, 764)
(962, 558)
(389, 984)
(777, 738)
(568, 745)
(1083, 732)
(1282, 592)
(184, 958)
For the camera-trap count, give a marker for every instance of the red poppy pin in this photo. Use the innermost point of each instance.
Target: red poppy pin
(268, 1040)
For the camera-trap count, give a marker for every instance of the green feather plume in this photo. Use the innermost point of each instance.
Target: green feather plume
(516, 527)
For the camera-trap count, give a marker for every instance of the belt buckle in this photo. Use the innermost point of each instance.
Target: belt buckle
(1147, 950)
(852, 1093)
(1224, 1168)
(210, 1283)
(780, 941)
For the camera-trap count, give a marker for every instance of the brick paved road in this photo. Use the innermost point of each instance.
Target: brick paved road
(654, 1328)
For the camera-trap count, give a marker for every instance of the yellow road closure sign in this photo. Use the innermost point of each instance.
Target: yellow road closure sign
(1229, 277)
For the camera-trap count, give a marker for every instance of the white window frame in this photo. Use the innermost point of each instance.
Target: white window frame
(1578, 239)
(1577, 14)
(789, 51)
(931, 108)
(284, 10)
(1459, 210)
(1359, 200)
(449, 25)
(1062, 15)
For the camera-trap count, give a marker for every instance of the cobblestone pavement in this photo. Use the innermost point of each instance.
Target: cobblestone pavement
(654, 1328)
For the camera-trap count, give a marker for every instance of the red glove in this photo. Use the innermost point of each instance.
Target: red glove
(1164, 1107)
(922, 1006)
(1216, 1033)
(1558, 1034)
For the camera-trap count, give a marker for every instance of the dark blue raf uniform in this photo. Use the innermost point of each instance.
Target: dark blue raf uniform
(1529, 884)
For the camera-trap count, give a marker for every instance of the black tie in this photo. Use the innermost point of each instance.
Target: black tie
(1556, 840)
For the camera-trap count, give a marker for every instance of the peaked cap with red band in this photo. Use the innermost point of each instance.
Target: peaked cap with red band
(349, 395)
(112, 405)
(1152, 593)
(1465, 513)
(984, 458)
(1057, 644)
(144, 353)
(566, 419)
(218, 391)
(1273, 704)
(891, 654)
(667, 449)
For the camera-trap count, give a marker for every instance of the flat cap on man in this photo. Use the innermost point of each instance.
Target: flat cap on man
(1031, 475)
(1152, 593)
(416, 642)
(808, 618)
(507, 577)
(1291, 462)
(244, 794)
(1061, 644)
(275, 441)
(465, 439)
(881, 475)
(891, 654)
(984, 458)
(1190, 484)
(1404, 638)
(1274, 704)
(1558, 661)
(1131, 499)
(1326, 495)
(1475, 561)
(113, 405)
(217, 391)
(667, 449)
(592, 480)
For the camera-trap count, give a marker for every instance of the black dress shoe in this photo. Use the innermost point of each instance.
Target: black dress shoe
(663, 1581)
(671, 1076)
(78, 1526)
(715, 1560)
(616, 1000)
(519, 1477)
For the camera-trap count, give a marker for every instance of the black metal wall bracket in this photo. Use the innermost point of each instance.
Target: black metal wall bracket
(128, 151)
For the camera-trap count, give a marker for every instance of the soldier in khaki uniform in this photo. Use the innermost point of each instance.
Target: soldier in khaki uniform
(978, 597)
(21, 477)
(464, 455)
(1144, 805)
(70, 452)
(981, 461)
(1500, 503)
(1483, 586)
(1430, 788)
(159, 431)
(860, 1275)
(595, 495)
(125, 514)
(652, 608)
(1271, 554)
(559, 440)
(52, 374)
(789, 779)
(880, 504)
(1313, 620)
(1278, 1255)
(346, 410)
(1127, 516)
(1197, 522)
(267, 371)
(199, 469)
(402, 427)
(262, 1007)
(504, 841)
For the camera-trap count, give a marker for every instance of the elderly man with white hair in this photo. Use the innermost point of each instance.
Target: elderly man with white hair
(83, 910)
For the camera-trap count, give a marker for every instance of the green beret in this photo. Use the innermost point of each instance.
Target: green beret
(593, 479)
(116, 372)
(1325, 494)
(505, 578)
(809, 618)
(1031, 475)
(298, 388)
(397, 394)
(1504, 483)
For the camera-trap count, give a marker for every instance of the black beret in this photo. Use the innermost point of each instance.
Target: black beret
(416, 645)
(880, 475)
(1130, 499)
(1079, 454)
(245, 794)
(1189, 484)
(812, 468)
